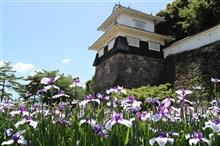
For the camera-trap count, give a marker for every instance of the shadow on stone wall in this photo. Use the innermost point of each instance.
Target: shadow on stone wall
(194, 68)
(127, 70)
(184, 70)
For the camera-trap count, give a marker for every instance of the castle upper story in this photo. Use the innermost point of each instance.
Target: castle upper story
(131, 18)
(131, 53)
(129, 31)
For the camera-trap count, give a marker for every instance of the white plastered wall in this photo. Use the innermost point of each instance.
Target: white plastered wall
(130, 21)
(189, 43)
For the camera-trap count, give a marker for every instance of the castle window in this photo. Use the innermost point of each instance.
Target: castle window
(154, 46)
(133, 42)
(101, 52)
(111, 44)
(139, 24)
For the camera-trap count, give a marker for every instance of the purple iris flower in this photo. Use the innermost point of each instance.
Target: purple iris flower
(162, 140)
(130, 99)
(167, 102)
(62, 121)
(131, 104)
(152, 100)
(89, 98)
(88, 121)
(162, 134)
(102, 97)
(117, 119)
(49, 82)
(8, 132)
(139, 115)
(60, 93)
(198, 137)
(16, 138)
(61, 106)
(35, 107)
(21, 111)
(215, 109)
(214, 103)
(182, 94)
(213, 124)
(143, 116)
(162, 110)
(117, 90)
(100, 131)
(215, 80)
(76, 82)
(216, 121)
(27, 120)
(6, 105)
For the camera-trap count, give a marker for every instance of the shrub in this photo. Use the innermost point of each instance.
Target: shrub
(143, 92)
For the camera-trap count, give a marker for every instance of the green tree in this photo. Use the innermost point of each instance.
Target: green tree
(172, 18)
(8, 81)
(144, 92)
(63, 83)
(199, 15)
(186, 17)
(89, 89)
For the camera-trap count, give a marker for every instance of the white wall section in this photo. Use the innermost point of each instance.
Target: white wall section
(101, 52)
(111, 44)
(192, 42)
(133, 42)
(132, 21)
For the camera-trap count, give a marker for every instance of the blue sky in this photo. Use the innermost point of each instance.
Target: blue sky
(51, 35)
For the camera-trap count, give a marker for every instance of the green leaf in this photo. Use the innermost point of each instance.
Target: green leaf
(127, 137)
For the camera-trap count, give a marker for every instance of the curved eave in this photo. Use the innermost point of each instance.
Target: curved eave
(125, 10)
(104, 38)
(111, 33)
(167, 39)
(109, 20)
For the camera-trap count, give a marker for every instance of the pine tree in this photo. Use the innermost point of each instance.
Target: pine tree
(8, 81)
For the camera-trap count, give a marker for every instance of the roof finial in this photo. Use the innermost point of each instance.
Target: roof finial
(116, 6)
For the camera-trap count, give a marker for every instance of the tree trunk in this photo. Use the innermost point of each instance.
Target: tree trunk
(3, 90)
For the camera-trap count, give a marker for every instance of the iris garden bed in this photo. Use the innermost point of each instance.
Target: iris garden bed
(104, 119)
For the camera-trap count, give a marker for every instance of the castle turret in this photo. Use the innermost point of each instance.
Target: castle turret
(129, 53)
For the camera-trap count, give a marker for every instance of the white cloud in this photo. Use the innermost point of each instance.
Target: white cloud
(1, 63)
(66, 61)
(23, 67)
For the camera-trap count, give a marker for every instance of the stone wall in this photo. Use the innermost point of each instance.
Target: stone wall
(184, 70)
(194, 68)
(127, 70)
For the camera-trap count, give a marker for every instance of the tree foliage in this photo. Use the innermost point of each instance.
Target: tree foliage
(186, 17)
(9, 82)
(200, 15)
(63, 83)
(172, 18)
(144, 92)
(89, 89)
